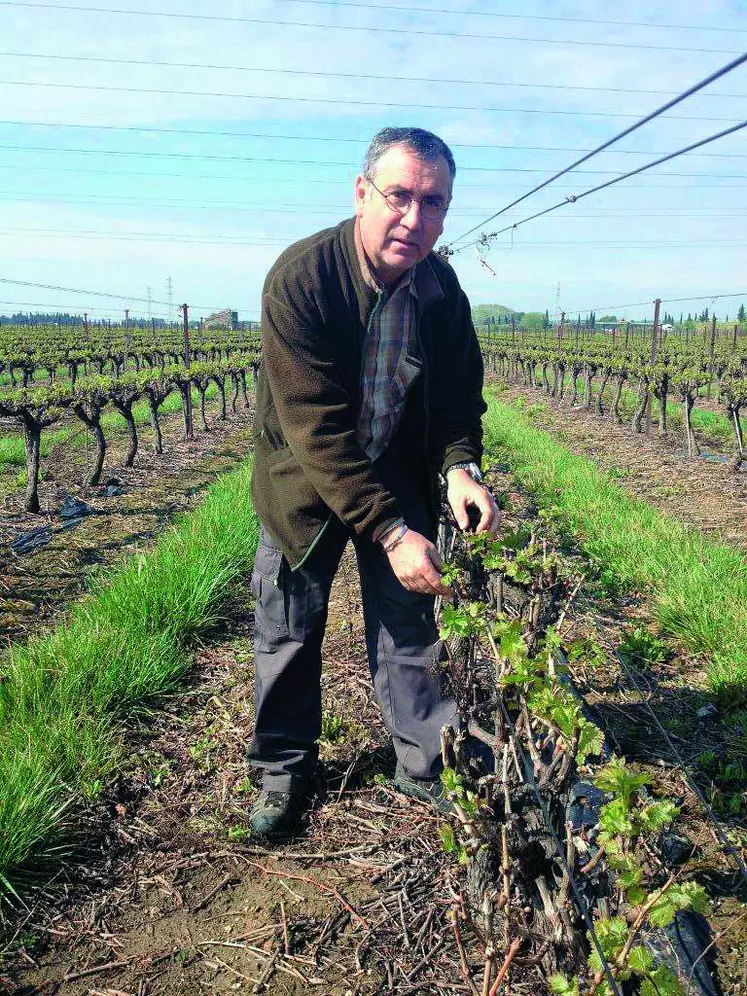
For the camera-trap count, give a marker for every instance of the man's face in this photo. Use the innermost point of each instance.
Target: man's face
(395, 241)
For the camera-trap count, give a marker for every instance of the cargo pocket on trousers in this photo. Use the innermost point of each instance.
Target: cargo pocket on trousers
(270, 614)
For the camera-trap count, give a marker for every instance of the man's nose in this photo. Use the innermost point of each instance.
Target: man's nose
(413, 217)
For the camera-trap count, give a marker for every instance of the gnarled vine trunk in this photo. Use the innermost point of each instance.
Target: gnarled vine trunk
(125, 410)
(153, 406)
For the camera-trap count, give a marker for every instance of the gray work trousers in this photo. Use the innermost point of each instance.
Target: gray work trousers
(401, 639)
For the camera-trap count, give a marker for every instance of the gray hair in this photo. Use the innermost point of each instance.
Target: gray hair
(424, 144)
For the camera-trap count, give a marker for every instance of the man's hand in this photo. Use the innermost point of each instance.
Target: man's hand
(462, 491)
(417, 564)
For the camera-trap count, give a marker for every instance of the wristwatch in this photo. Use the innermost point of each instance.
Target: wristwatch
(471, 467)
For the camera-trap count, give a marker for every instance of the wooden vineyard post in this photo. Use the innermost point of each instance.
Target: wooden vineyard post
(654, 349)
(711, 353)
(188, 421)
(126, 338)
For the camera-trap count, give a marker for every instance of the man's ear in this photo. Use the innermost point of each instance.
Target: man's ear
(361, 192)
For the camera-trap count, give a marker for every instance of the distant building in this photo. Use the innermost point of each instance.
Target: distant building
(226, 319)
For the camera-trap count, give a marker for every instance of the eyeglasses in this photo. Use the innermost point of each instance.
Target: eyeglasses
(432, 206)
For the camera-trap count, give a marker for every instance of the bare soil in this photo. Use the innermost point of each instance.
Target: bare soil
(169, 897)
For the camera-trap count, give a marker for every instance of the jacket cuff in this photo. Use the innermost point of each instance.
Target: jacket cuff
(460, 455)
(384, 527)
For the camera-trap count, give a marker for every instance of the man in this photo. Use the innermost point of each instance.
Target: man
(370, 386)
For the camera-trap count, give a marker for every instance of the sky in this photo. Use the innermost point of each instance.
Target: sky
(191, 143)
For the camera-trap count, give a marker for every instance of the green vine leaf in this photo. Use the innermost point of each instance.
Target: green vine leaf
(615, 820)
(679, 896)
(553, 640)
(452, 781)
(661, 982)
(657, 815)
(559, 985)
(590, 741)
(463, 621)
(640, 960)
(512, 646)
(618, 778)
(448, 839)
(450, 575)
(612, 933)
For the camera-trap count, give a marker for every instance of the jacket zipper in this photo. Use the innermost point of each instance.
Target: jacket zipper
(379, 299)
(423, 353)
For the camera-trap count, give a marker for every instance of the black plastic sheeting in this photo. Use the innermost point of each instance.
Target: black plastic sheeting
(72, 513)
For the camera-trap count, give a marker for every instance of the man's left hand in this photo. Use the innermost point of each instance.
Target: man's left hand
(462, 491)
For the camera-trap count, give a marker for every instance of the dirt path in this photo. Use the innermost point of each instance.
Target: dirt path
(128, 510)
(170, 896)
(702, 493)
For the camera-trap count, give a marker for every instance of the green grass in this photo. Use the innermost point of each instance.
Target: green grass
(13, 451)
(697, 588)
(64, 695)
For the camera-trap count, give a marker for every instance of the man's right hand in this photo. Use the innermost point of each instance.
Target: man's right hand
(417, 565)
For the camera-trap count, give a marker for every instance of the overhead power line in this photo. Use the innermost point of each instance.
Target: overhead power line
(326, 183)
(210, 133)
(66, 308)
(338, 101)
(495, 14)
(702, 297)
(377, 29)
(238, 241)
(162, 64)
(77, 290)
(242, 178)
(188, 204)
(602, 186)
(729, 67)
(108, 294)
(70, 309)
(609, 308)
(313, 162)
(515, 17)
(156, 237)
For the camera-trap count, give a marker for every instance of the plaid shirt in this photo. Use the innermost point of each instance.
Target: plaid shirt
(391, 362)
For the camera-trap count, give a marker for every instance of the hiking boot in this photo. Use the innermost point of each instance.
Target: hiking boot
(425, 789)
(277, 814)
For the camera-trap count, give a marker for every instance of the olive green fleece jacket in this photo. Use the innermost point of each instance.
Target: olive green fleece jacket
(308, 464)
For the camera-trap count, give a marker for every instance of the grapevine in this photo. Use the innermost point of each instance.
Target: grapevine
(562, 841)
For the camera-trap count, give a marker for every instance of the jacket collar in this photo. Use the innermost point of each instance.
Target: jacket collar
(428, 285)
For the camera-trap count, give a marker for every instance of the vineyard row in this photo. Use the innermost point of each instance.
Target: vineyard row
(35, 408)
(47, 352)
(667, 370)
